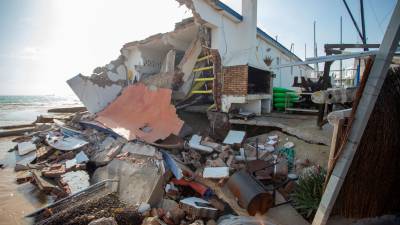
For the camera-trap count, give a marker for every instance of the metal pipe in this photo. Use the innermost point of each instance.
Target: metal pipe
(363, 24)
(250, 194)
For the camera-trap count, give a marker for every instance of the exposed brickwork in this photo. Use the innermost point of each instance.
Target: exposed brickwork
(235, 79)
(217, 84)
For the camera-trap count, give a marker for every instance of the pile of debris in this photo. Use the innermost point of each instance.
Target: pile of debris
(165, 174)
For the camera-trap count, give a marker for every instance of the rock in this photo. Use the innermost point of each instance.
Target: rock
(288, 145)
(104, 221)
(151, 221)
(177, 214)
(144, 207)
(197, 222)
(211, 222)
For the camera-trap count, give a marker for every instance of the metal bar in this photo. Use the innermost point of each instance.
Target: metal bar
(204, 79)
(363, 24)
(204, 58)
(202, 92)
(344, 46)
(328, 58)
(354, 21)
(203, 68)
(367, 103)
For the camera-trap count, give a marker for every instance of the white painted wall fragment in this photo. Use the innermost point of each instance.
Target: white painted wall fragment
(94, 96)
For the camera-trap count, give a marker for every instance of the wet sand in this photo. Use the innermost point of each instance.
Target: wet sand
(16, 201)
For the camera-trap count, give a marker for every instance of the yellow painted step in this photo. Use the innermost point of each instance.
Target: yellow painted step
(203, 68)
(202, 92)
(204, 58)
(204, 79)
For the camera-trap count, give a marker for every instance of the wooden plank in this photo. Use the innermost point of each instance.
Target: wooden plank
(337, 132)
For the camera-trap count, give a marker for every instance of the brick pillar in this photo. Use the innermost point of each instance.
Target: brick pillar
(235, 80)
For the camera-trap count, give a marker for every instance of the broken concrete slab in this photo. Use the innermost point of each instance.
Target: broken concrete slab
(195, 144)
(94, 94)
(80, 158)
(75, 181)
(101, 158)
(63, 143)
(26, 147)
(142, 108)
(198, 208)
(24, 161)
(216, 172)
(137, 184)
(139, 149)
(234, 137)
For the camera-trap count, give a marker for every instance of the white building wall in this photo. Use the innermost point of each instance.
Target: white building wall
(228, 37)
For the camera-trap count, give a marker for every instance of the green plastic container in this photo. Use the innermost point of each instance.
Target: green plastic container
(282, 105)
(281, 90)
(283, 100)
(283, 95)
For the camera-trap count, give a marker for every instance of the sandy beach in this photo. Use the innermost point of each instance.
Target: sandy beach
(18, 200)
(15, 200)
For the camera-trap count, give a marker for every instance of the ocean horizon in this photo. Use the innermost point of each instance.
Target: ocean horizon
(22, 109)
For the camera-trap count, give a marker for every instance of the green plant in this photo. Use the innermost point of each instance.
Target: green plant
(308, 192)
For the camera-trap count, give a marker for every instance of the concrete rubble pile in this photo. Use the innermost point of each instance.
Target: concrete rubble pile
(199, 181)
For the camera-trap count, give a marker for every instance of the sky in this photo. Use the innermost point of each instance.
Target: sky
(45, 42)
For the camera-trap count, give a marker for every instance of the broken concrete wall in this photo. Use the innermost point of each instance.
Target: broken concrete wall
(163, 60)
(145, 58)
(93, 94)
(102, 87)
(134, 186)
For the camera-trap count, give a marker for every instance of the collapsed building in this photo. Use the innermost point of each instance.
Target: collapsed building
(217, 57)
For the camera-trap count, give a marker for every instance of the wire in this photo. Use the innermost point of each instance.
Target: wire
(376, 17)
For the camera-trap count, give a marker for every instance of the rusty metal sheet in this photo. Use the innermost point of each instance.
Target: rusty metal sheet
(141, 113)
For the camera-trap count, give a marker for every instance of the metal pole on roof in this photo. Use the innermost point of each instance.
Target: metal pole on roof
(315, 50)
(305, 51)
(341, 61)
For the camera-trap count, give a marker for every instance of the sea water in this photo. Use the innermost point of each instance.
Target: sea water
(22, 109)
